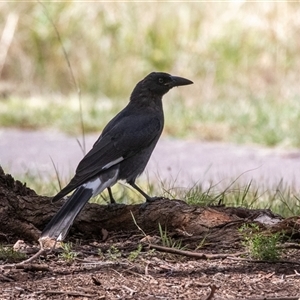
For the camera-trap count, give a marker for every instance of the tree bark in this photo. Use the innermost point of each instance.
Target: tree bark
(23, 214)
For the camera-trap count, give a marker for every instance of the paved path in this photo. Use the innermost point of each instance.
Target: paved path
(179, 163)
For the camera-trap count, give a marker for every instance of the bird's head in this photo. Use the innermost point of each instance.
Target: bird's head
(159, 83)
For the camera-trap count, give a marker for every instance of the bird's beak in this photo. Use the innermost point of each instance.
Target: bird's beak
(177, 81)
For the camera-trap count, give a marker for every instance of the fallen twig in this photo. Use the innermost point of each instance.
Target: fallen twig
(275, 298)
(193, 254)
(212, 292)
(264, 261)
(67, 293)
(132, 292)
(33, 267)
(27, 267)
(33, 257)
(293, 275)
(27, 264)
(5, 278)
(289, 246)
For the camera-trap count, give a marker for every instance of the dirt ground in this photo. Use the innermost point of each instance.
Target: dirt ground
(116, 270)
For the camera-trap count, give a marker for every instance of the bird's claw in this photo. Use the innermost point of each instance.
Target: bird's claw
(152, 199)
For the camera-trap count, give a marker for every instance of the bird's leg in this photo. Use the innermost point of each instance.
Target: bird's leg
(148, 198)
(112, 199)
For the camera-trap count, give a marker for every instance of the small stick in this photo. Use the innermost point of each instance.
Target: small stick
(192, 254)
(67, 293)
(212, 292)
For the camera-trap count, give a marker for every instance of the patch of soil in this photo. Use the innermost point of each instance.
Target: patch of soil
(109, 270)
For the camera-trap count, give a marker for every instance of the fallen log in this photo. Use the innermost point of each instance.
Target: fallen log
(23, 214)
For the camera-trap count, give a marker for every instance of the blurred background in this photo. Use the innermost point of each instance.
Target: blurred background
(70, 63)
(243, 57)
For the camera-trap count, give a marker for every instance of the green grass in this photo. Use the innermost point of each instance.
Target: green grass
(258, 121)
(9, 255)
(280, 199)
(251, 121)
(68, 254)
(167, 240)
(261, 246)
(61, 113)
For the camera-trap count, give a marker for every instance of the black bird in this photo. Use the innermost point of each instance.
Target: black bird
(121, 152)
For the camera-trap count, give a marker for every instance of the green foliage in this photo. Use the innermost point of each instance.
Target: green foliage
(196, 195)
(9, 255)
(114, 253)
(68, 254)
(133, 255)
(261, 121)
(201, 243)
(168, 241)
(230, 196)
(282, 200)
(261, 246)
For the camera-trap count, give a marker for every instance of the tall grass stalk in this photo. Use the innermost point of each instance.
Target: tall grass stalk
(82, 146)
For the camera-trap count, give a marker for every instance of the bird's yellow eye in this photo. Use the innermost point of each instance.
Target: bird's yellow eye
(160, 80)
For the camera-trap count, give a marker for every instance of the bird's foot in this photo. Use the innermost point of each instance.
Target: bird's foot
(152, 199)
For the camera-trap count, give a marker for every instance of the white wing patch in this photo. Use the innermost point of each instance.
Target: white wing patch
(98, 185)
(112, 163)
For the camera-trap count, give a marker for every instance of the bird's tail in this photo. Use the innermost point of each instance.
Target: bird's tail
(60, 224)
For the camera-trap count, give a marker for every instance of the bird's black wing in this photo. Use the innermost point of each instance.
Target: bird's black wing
(129, 136)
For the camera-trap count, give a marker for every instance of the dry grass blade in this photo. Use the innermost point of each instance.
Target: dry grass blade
(83, 146)
(7, 37)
